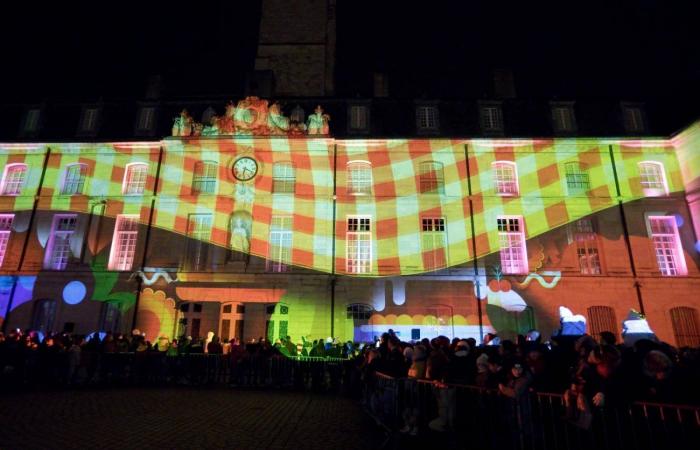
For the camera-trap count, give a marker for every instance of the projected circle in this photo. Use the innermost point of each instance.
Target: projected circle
(74, 292)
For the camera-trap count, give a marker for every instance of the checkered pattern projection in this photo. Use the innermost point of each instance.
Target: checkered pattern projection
(450, 182)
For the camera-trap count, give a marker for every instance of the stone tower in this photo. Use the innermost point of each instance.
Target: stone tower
(297, 45)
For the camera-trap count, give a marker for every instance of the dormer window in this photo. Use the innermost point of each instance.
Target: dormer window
(633, 119)
(88, 122)
(358, 118)
(427, 118)
(31, 121)
(563, 118)
(146, 118)
(491, 118)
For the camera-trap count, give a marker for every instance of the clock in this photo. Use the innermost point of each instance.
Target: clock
(245, 168)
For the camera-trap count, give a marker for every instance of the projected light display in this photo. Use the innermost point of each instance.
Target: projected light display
(424, 236)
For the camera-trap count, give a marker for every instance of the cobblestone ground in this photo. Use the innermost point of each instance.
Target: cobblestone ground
(183, 418)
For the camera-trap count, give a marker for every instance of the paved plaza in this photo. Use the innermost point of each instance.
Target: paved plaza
(183, 418)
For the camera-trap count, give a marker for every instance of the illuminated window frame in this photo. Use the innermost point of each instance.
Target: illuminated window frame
(283, 178)
(491, 118)
(431, 176)
(58, 249)
(427, 118)
(652, 177)
(13, 178)
(280, 244)
(577, 180)
(434, 242)
(359, 178)
(135, 177)
(666, 241)
(146, 118)
(358, 118)
(563, 118)
(5, 230)
(199, 233)
(74, 179)
(204, 177)
(587, 251)
(123, 251)
(358, 240)
(513, 250)
(505, 178)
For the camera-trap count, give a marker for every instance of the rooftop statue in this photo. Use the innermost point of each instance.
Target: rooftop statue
(182, 126)
(277, 123)
(317, 123)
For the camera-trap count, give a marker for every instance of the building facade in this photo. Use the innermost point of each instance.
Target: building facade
(283, 230)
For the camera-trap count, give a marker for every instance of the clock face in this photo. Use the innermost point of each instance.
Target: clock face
(245, 168)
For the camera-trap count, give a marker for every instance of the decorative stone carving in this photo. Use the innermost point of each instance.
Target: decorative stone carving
(253, 117)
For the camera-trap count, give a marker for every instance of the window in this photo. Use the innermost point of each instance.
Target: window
(563, 118)
(111, 318)
(359, 312)
(58, 247)
(427, 118)
(74, 179)
(511, 237)
(204, 177)
(586, 247)
(633, 119)
(358, 118)
(491, 118)
(359, 245)
(505, 178)
(577, 181)
(283, 178)
(13, 179)
(667, 245)
(280, 244)
(434, 242)
(31, 121)
(44, 316)
(198, 232)
(197, 308)
(146, 116)
(135, 179)
(126, 231)
(359, 178)
(432, 178)
(5, 230)
(601, 318)
(88, 123)
(652, 178)
(686, 327)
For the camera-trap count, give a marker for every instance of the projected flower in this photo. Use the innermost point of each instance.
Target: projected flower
(156, 314)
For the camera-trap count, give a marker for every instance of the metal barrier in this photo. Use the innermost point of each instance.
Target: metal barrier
(158, 368)
(482, 418)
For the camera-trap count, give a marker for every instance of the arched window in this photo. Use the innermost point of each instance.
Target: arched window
(204, 177)
(686, 326)
(359, 178)
(652, 177)
(44, 315)
(601, 318)
(135, 179)
(13, 179)
(283, 178)
(74, 179)
(505, 178)
(432, 178)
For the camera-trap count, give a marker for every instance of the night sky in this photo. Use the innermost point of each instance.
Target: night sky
(624, 50)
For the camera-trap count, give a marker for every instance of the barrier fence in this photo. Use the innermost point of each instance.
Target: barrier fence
(481, 418)
(154, 368)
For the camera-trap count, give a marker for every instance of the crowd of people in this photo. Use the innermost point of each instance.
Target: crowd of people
(598, 371)
(603, 371)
